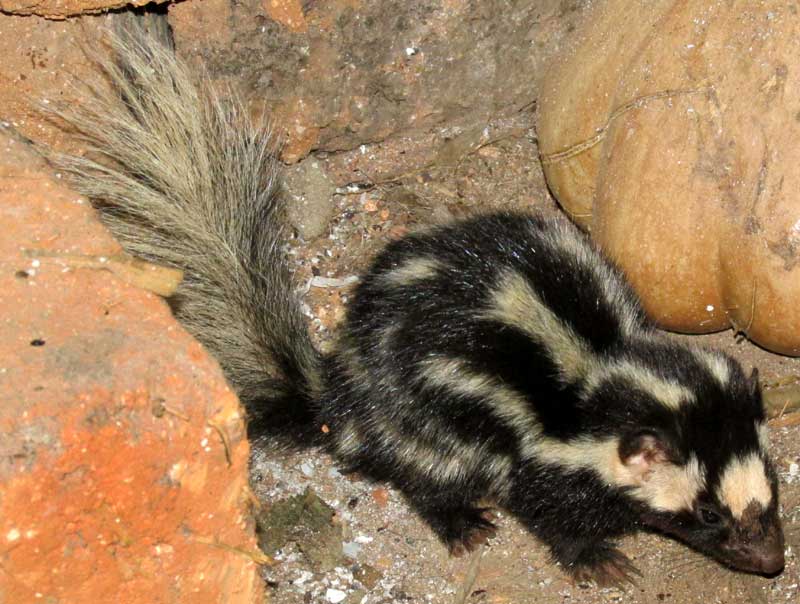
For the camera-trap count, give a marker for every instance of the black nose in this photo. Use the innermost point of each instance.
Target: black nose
(771, 563)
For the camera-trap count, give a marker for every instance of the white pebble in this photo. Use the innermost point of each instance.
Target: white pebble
(335, 595)
(793, 469)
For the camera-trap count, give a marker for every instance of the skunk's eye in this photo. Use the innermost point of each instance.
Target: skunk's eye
(710, 516)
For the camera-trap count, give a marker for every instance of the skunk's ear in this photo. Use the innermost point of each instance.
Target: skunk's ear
(643, 452)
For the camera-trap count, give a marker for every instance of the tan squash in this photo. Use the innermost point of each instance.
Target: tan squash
(671, 131)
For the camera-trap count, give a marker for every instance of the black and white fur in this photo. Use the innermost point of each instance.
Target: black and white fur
(498, 359)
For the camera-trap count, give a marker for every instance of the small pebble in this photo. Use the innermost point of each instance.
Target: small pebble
(335, 595)
(351, 549)
(381, 496)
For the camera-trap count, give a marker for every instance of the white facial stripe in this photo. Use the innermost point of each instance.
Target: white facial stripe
(668, 393)
(672, 488)
(516, 304)
(666, 487)
(744, 480)
(412, 271)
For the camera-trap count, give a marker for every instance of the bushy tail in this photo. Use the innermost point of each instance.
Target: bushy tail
(185, 179)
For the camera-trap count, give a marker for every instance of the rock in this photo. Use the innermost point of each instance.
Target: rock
(351, 549)
(61, 9)
(381, 496)
(367, 575)
(307, 521)
(334, 596)
(309, 194)
(123, 458)
(35, 52)
(336, 75)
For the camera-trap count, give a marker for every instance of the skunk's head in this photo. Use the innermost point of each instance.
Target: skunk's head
(702, 471)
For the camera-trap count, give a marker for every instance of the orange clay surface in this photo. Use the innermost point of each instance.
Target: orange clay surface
(123, 461)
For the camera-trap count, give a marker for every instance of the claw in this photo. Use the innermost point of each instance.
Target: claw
(477, 530)
(613, 569)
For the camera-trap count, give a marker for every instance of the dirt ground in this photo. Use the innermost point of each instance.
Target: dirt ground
(388, 554)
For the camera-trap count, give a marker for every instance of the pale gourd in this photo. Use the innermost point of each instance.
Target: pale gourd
(671, 131)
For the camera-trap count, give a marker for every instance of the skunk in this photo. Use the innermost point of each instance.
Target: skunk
(501, 358)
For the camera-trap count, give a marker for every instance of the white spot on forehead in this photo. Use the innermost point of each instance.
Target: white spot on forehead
(744, 480)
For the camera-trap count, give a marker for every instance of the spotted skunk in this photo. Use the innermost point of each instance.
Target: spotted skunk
(499, 359)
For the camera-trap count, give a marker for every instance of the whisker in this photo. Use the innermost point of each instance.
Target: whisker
(691, 566)
(677, 557)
